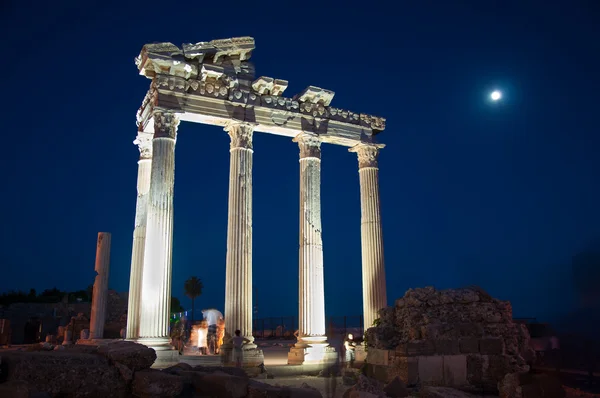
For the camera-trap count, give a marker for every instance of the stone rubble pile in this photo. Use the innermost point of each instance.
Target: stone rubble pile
(447, 338)
(122, 369)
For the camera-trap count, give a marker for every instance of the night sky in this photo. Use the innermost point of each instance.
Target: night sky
(499, 195)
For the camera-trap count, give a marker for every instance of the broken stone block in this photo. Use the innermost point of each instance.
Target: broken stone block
(421, 348)
(469, 345)
(491, 346)
(447, 347)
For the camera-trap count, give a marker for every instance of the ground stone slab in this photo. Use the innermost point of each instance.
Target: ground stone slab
(365, 388)
(446, 392)
(221, 384)
(396, 388)
(154, 383)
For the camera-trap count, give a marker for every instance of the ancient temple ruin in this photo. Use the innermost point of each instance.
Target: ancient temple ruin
(214, 83)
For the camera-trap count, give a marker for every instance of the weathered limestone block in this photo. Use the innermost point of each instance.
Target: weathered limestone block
(134, 356)
(64, 373)
(154, 383)
(431, 369)
(419, 348)
(492, 346)
(447, 347)
(469, 345)
(455, 370)
(377, 357)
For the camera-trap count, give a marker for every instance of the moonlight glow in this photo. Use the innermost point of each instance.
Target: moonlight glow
(495, 95)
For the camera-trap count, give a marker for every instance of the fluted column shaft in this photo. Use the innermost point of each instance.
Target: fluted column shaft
(238, 273)
(100, 293)
(144, 143)
(311, 319)
(373, 268)
(156, 276)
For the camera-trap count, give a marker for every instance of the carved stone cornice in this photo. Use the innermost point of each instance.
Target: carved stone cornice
(310, 145)
(367, 154)
(165, 124)
(240, 134)
(201, 79)
(144, 143)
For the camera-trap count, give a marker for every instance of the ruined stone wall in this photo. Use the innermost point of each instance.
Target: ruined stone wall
(53, 315)
(450, 337)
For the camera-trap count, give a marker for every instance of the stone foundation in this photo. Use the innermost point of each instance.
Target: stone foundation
(311, 355)
(449, 338)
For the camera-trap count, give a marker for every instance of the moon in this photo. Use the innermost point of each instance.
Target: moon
(495, 95)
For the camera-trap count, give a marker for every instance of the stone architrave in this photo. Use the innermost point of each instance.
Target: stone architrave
(144, 143)
(312, 346)
(100, 293)
(238, 272)
(373, 268)
(156, 277)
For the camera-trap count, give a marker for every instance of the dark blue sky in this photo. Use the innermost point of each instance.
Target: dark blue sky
(499, 195)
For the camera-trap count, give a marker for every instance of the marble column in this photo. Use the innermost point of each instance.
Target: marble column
(238, 272)
(144, 143)
(312, 344)
(373, 269)
(156, 276)
(100, 293)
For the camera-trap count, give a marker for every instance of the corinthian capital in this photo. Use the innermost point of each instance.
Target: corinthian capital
(144, 143)
(165, 125)
(367, 154)
(240, 134)
(310, 145)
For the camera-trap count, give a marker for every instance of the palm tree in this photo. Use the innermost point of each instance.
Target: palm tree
(193, 288)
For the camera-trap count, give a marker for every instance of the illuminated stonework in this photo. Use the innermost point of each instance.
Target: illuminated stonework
(238, 271)
(214, 83)
(144, 143)
(100, 293)
(373, 269)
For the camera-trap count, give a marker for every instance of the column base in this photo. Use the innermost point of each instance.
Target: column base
(303, 354)
(157, 343)
(251, 358)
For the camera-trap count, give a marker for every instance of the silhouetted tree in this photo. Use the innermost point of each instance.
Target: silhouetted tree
(193, 288)
(176, 305)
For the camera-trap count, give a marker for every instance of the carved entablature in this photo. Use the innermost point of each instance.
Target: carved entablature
(147, 105)
(315, 95)
(219, 69)
(269, 86)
